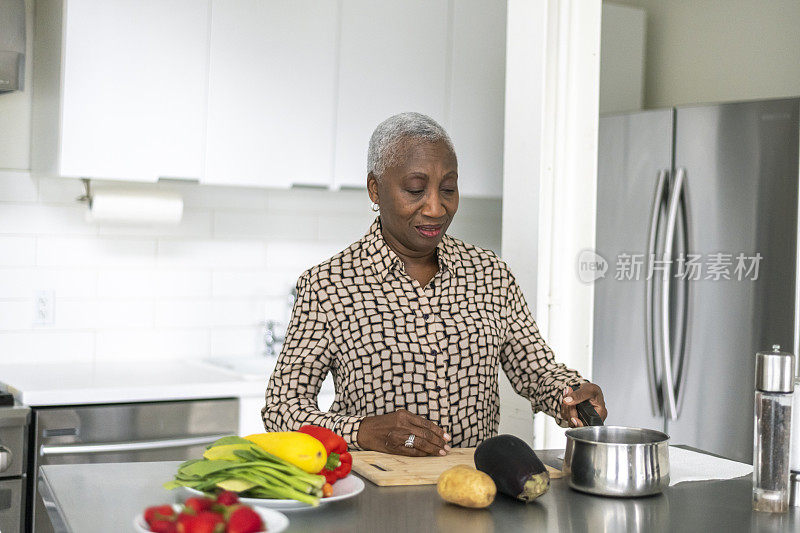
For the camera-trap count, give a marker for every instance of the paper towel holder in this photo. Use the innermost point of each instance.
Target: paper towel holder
(87, 196)
(129, 206)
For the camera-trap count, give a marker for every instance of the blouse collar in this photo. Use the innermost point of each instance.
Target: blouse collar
(384, 260)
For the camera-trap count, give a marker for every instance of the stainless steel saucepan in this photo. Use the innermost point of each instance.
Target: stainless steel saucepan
(613, 460)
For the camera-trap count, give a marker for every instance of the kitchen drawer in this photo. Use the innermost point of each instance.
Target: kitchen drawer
(12, 500)
(132, 432)
(13, 437)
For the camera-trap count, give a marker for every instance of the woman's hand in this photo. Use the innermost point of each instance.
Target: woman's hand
(388, 433)
(587, 391)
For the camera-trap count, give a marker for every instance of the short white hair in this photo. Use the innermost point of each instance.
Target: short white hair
(386, 142)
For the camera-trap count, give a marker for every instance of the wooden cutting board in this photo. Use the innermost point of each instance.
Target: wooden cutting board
(386, 470)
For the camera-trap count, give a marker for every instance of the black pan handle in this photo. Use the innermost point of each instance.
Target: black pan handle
(586, 412)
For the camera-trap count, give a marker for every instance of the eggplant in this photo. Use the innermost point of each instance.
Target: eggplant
(513, 466)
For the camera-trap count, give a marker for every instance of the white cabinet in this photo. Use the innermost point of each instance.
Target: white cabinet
(416, 55)
(393, 58)
(475, 118)
(266, 93)
(271, 92)
(125, 96)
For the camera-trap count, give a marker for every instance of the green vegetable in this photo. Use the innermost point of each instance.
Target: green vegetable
(238, 465)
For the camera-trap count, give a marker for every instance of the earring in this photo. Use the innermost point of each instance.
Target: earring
(375, 207)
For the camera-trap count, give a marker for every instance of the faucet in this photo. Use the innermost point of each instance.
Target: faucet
(275, 330)
(273, 337)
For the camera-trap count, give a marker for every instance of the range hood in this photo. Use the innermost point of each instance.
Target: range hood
(12, 45)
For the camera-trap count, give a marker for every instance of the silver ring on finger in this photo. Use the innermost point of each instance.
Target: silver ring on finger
(409, 443)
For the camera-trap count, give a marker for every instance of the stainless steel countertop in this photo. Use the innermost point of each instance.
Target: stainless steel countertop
(105, 497)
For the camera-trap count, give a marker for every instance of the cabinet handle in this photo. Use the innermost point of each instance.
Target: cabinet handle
(167, 179)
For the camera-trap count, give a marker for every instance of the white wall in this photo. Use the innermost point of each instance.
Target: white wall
(195, 290)
(720, 50)
(525, 63)
(552, 88)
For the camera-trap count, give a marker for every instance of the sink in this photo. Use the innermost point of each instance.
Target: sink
(257, 367)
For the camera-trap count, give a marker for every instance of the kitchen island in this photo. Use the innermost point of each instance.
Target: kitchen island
(98, 498)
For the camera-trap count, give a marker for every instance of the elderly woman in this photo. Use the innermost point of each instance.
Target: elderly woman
(413, 323)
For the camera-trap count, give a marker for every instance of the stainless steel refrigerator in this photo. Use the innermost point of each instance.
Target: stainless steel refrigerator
(702, 201)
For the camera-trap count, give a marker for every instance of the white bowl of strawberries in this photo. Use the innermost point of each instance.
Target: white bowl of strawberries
(206, 515)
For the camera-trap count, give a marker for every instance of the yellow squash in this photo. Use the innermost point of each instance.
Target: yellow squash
(298, 448)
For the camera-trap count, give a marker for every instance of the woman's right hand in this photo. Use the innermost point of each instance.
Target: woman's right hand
(388, 433)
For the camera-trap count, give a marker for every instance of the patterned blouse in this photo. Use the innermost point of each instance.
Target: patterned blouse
(391, 344)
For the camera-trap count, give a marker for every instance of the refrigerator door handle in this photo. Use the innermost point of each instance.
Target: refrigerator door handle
(682, 313)
(668, 381)
(650, 346)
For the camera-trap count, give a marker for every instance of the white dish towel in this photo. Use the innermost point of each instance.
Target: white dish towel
(686, 465)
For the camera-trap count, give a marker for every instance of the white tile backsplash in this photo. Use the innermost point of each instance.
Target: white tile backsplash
(209, 313)
(64, 282)
(302, 255)
(17, 251)
(17, 314)
(194, 223)
(35, 219)
(132, 283)
(284, 227)
(211, 253)
(95, 252)
(152, 344)
(346, 228)
(100, 314)
(265, 282)
(200, 288)
(44, 346)
(237, 341)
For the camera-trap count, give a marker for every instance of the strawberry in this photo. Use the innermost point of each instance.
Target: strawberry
(158, 512)
(184, 522)
(206, 522)
(199, 504)
(163, 526)
(212, 516)
(227, 497)
(244, 520)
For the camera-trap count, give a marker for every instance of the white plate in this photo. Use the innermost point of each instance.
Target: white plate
(342, 489)
(274, 520)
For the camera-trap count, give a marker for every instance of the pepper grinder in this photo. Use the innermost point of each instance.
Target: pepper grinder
(773, 420)
(794, 455)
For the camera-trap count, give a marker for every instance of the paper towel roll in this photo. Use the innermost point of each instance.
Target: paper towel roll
(135, 207)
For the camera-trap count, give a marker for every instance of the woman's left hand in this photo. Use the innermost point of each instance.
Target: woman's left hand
(570, 399)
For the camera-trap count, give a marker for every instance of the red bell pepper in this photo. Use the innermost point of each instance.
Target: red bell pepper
(339, 460)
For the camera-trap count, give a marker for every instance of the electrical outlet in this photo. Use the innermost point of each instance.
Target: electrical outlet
(44, 308)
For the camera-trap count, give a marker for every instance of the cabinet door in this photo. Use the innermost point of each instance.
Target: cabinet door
(271, 101)
(477, 95)
(393, 58)
(134, 88)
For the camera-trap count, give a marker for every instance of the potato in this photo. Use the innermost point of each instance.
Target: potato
(466, 486)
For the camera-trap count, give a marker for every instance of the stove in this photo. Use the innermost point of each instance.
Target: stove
(14, 420)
